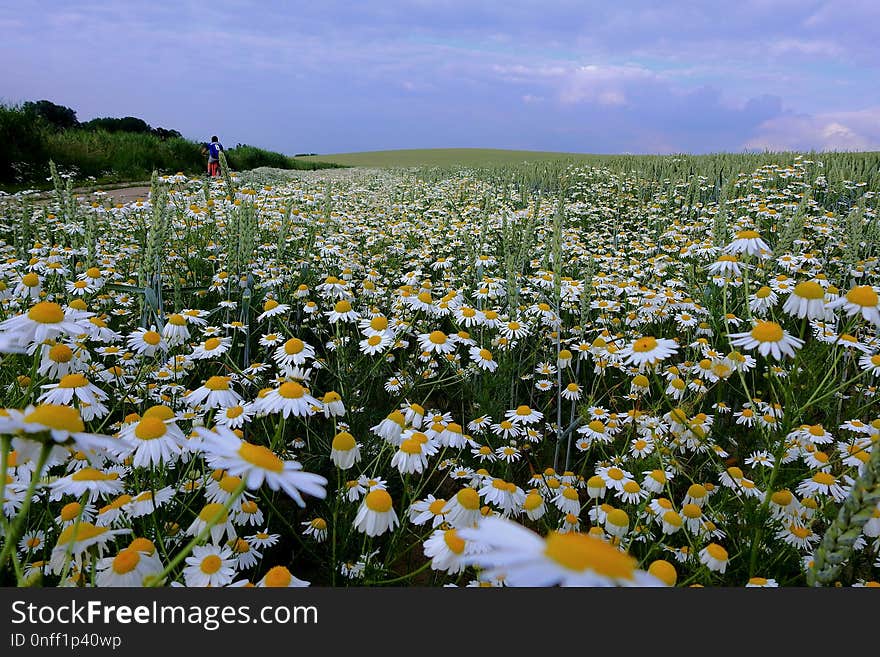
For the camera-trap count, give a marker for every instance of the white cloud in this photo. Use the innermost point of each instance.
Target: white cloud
(842, 131)
(808, 47)
(603, 85)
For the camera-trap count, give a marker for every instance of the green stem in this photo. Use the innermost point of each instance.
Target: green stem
(15, 529)
(201, 535)
(403, 578)
(5, 446)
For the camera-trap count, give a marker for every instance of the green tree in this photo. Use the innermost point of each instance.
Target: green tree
(124, 124)
(57, 116)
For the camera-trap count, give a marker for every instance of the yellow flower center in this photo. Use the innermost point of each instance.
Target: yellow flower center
(234, 411)
(211, 344)
(823, 478)
(716, 552)
(30, 280)
(150, 428)
(453, 541)
(640, 381)
(436, 507)
(809, 290)
(632, 487)
(278, 577)
(616, 474)
(210, 511)
(411, 446)
(291, 390)
(91, 474)
(800, 532)
(860, 295)
(211, 564)
(177, 320)
(767, 332)
(294, 346)
(437, 337)
(142, 545)
(533, 501)
(125, 562)
(580, 552)
(748, 235)
(782, 497)
(378, 500)
(664, 571)
(152, 338)
(618, 518)
(160, 411)
(697, 491)
(80, 532)
(468, 498)
(217, 383)
(70, 511)
(61, 353)
(58, 417)
(342, 307)
(260, 456)
(73, 381)
(344, 442)
(229, 483)
(485, 354)
(46, 312)
(645, 344)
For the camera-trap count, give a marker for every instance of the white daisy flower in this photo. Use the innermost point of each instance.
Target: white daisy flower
(523, 558)
(257, 465)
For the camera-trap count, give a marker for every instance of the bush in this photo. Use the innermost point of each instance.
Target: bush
(23, 156)
(57, 116)
(125, 124)
(110, 149)
(123, 155)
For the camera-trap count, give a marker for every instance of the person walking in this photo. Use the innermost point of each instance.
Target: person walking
(214, 150)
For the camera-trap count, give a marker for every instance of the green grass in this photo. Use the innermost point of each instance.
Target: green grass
(110, 157)
(426, 157)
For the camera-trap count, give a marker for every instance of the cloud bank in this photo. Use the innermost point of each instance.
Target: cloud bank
(686, 76)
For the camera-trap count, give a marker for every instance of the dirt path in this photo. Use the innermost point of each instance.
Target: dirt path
(123, 194)
(126, 194)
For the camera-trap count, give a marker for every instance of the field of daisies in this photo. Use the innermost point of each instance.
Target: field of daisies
(656, 372)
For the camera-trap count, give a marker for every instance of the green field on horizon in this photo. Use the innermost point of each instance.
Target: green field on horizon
(444, 157)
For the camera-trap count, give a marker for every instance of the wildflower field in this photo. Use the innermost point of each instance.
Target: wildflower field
(639, 371)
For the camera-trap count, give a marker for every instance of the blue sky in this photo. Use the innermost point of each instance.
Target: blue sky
(581, 76)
